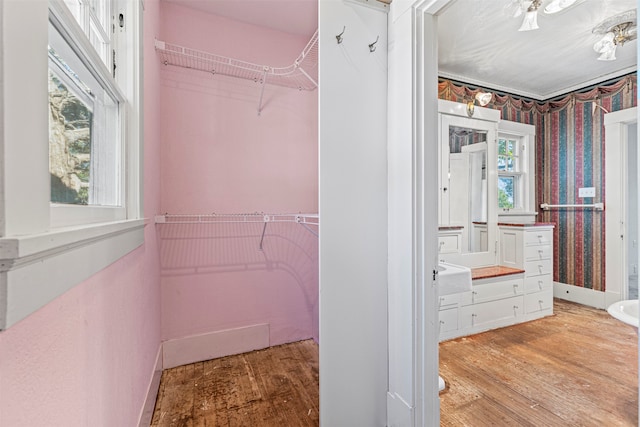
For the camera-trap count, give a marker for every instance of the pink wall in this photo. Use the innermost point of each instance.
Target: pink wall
(219, 156)
(87, 357)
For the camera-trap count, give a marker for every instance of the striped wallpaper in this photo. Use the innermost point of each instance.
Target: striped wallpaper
(570, 154)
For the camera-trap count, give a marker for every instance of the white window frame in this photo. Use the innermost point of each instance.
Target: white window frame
(65, 22)
(42, 257)
(524, 191)
(518, 175)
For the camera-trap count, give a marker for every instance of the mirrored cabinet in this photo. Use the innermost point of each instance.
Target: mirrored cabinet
(468, 184)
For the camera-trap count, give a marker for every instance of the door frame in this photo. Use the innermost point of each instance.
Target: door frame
(616, 194)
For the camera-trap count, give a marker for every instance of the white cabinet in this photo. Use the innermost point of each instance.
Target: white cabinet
(492, 303)
(492, 314)
(530, 247)
(450, 240)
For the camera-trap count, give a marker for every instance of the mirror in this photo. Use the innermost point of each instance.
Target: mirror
(468, 185)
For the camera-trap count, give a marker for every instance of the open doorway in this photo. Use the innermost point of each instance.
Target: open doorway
(621, 134)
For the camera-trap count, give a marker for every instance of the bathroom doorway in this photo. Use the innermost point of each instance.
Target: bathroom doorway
(622, 255)
(632, 212)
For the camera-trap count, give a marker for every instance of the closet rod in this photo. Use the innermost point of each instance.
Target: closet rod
(596, 206)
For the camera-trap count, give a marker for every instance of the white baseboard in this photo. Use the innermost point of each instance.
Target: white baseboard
(152, 392)
(585, 296)
(197, 348)
(611, 297)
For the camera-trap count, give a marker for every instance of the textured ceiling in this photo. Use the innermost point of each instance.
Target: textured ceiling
(479, 43)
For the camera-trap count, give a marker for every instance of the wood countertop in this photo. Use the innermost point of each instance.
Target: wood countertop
(493, 271)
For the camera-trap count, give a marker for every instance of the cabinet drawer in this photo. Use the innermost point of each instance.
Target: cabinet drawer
(497, 290)
(539, 301)
(538, 237)
(538, 283)
(448, 320)
(535, 253)
(538, 268)
(449, 243)
(492, 314)
(453, 300)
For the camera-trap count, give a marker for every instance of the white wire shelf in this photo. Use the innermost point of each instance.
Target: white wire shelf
(257, 217)
(305, 220)
(301, 75)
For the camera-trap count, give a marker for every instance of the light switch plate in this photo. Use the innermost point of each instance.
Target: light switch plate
(587, 192)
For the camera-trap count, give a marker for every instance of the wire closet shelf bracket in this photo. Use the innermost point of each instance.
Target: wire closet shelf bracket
(301, 75)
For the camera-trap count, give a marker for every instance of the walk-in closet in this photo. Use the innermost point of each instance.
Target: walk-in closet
(238, 233)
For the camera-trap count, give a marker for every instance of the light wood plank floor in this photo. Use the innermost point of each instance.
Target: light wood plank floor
(576, 368)
(277, 386)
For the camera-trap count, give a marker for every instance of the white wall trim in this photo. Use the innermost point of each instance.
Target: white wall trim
(36, 269)
(196, 348)
(146, 413)
(585, 296)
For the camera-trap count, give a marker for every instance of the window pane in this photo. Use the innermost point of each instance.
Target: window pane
(506, 195)
(502, 146)
(69, 143)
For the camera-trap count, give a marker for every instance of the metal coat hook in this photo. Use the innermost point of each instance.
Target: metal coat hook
(339, 36)
(372, 46)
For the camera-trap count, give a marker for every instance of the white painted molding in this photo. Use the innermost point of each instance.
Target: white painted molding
(585, 296)
(146, 413)
(196, 348)
(16, 251)
(36, 269)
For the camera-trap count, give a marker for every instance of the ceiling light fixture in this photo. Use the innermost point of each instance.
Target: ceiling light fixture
(617, 30)
(530, 10)
(530, 21)
(483, 99)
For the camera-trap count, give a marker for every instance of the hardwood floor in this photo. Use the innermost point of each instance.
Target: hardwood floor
(277, 386)
(576, 368)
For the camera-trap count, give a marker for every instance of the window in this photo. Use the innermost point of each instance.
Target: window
(516, 170)
(84, 137)
(509, 173)
(53, 237)
(85, 114)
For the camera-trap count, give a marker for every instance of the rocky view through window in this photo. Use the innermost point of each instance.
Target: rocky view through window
(69, 144)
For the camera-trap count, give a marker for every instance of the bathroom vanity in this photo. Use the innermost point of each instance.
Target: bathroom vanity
(486, 222)
(520, 289)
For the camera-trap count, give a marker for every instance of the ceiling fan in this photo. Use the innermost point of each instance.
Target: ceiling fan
(530, 10)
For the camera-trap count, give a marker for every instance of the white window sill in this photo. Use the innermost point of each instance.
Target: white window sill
(36, 269)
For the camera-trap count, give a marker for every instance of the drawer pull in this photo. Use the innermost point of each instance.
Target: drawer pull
(515, 307)
(540, 268)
